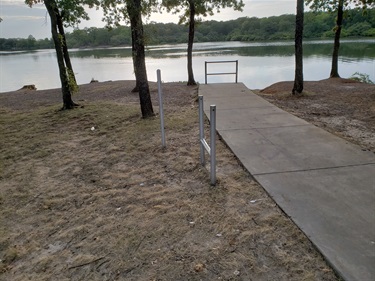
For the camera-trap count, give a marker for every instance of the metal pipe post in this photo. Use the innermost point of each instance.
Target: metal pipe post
(161, 111)
(205, 72)
(236, 71)
(201, 130)
(213, 143)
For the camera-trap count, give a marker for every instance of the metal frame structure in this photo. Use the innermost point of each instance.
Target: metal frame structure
(220, 73)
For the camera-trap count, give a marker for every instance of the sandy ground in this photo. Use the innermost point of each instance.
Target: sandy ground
(89, 194)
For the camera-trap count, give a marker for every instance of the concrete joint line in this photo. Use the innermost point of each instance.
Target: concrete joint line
(314, 169)
(260, 128)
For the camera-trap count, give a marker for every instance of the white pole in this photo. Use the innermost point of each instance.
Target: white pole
(161, 111)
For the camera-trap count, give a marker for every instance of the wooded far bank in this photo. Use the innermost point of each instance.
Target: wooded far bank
(316, 26)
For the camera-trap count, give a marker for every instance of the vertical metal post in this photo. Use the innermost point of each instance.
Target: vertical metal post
(236, 71)
(213, 143)
(161, 111)
(201, 130)
(205, 72)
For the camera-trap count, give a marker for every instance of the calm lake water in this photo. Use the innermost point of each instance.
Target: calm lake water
(260, 64)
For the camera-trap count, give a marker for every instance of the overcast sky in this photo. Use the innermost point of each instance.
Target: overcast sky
(20, 21)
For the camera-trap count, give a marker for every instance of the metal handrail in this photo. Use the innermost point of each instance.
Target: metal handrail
(211, 150)
(220, 73)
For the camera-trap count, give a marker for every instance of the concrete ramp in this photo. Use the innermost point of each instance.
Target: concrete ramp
(324, 183)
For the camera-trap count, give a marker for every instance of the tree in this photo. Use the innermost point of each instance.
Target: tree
(298, 78)
(139, 58)
(68, 12)
(338, 6)
(132, 10)
(192, 9)
(336, 44)
(66, 73)
(31, 41)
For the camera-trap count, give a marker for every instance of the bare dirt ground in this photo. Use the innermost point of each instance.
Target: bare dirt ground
(89, 194)
(341, 106)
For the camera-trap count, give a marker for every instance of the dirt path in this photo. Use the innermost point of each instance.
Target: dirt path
(89, 194)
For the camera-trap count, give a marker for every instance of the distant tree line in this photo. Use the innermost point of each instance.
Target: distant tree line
(29, 43)
(316, 26)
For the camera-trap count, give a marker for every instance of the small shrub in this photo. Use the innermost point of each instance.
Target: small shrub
(361, 77)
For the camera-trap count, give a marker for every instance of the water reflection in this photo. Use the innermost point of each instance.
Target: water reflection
(260, 64)
(102, 53)
(364, 49)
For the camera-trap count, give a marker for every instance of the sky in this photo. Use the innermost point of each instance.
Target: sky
(20, 21)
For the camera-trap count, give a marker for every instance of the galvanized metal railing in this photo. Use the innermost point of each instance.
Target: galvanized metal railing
(220, 73)
(161, 111)
(211, 150)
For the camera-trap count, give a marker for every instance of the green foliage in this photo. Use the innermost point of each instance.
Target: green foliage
(202, 7)
(25, 44)
(361, 77)
(332, 5)
(116, 12)
(350, 15)
(72, 11)
(317, 25)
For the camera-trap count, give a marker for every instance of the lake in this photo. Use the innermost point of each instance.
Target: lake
(260, 64)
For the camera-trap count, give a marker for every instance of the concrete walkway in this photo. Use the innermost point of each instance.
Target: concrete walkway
(325, 184)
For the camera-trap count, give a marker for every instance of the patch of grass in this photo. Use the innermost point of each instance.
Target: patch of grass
(23, 134)
(10, 255)
(90, 192)
(31, 134)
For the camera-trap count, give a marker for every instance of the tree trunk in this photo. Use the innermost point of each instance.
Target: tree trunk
(68, 63)
(336, 45)
(191, 80)
(133, 23)
(139, 58)
(66, 94)
(298, 78)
